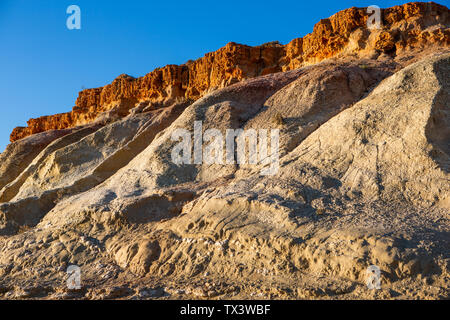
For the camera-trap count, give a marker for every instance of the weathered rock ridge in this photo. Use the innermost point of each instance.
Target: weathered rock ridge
(362, 180)
(404, 28)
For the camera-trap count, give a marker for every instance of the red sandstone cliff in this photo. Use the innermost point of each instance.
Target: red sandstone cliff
(406, 27)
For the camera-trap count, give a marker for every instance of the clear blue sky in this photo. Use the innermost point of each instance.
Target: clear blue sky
(44, 65)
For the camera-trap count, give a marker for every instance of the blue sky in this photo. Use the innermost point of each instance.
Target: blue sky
(44, 65)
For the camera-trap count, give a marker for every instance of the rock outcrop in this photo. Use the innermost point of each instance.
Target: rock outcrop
(362, 178)
(404, 28)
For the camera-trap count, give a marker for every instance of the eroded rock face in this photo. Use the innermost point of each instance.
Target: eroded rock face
(412, 25)
(362, 180)
(19, 155)
(405, 28)
(348, 193)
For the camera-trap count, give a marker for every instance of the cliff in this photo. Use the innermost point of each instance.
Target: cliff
(404, 28)
(359, 170)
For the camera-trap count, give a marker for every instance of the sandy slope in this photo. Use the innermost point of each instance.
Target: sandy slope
(363, 180)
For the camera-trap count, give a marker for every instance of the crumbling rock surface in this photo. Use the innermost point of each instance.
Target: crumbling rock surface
(18, 155)
(363, 180)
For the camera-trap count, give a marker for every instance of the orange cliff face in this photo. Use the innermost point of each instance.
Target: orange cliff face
(407, 27)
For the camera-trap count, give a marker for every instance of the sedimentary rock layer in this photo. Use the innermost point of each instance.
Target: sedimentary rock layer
(362, 180)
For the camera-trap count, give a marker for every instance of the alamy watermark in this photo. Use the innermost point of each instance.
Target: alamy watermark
(74, 277)
(235, 145)
(373, 277)
(74, 20)
(374, 19)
